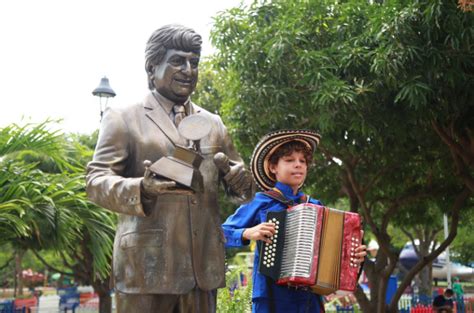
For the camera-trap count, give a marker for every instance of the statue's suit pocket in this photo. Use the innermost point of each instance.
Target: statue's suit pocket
(147, 238)
(142, 257)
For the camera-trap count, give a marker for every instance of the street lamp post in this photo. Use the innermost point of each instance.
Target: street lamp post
(104, 92)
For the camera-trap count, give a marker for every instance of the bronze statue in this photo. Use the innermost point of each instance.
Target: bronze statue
(169, 246)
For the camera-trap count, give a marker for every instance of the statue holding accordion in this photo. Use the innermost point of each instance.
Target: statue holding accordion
(305, 249)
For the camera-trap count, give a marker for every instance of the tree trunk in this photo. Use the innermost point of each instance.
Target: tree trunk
(18, 273)
(425, 281)
(105, 303)
(15, 280)
(374, 272)
(105, 300)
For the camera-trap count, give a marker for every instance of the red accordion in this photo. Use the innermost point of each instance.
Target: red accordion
(313, 247)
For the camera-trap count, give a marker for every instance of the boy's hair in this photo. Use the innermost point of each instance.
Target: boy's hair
(290, 147)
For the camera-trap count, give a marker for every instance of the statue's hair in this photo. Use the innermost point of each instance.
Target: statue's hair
(167, 37)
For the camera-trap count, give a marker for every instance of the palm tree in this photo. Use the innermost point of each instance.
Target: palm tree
(15, 176)
(43, 205)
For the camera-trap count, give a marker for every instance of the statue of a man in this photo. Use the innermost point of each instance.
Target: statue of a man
(169, 246)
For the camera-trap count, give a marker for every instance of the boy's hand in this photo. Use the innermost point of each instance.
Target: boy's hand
(360, 252)
(261, 232)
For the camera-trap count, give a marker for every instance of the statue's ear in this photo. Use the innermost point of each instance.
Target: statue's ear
(150, 69)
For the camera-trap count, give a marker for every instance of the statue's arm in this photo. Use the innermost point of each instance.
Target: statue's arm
(105, 183)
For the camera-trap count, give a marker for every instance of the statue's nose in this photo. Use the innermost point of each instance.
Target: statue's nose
(186, 68)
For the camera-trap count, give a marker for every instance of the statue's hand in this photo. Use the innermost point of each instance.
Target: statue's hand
(151, 185)
(235, 175)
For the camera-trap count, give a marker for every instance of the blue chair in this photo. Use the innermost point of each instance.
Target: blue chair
(346, 309)
(64, 291)
(69, 301)
(6, 306)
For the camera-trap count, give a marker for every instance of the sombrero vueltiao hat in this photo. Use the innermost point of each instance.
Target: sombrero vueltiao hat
(259, 164)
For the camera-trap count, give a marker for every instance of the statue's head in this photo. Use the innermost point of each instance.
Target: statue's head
(171, 61)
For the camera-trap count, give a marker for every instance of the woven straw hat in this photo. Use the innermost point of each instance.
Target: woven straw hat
(259, 164)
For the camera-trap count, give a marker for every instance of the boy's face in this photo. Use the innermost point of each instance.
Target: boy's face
(291, 169)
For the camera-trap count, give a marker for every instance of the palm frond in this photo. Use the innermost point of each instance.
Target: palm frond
(36, 139)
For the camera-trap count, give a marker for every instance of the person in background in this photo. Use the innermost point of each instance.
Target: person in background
(457, 288)
(444, 303)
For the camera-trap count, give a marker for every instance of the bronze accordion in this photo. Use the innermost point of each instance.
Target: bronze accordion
(313, 247)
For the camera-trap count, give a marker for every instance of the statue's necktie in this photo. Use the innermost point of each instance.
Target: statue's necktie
(179, 113)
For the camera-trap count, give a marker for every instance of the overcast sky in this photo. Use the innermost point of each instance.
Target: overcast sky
(53, 53)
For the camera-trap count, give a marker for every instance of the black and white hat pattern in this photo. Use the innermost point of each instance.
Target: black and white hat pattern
(259, 164)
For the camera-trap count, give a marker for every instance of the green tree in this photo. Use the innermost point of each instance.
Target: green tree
(389, 85)
(88, 259)
(20, 194)
(45, 208)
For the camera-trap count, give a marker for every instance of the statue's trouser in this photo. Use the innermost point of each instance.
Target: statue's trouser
(196, 301)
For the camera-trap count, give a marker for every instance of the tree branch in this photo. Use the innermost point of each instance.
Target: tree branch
(373, 180)
(462, 154)
(410, 236)
(50, 266)
(388, 215)
(360, 197)
(458, 203)
(381, 237)
(65, 262)
(433, 235)
(7, 263)
(450, 142)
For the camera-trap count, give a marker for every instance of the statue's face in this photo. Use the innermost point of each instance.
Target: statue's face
(176, 76)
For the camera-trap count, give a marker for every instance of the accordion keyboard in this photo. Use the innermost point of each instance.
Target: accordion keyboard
(297, 258)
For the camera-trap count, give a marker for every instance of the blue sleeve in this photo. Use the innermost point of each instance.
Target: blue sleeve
(244, 217)
(315, 201)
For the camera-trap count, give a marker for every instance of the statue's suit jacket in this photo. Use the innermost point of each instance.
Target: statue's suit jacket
(173, 243)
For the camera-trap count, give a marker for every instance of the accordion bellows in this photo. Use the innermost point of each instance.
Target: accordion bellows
(313, 247)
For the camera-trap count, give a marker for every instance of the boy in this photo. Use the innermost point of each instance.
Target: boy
(280, 162)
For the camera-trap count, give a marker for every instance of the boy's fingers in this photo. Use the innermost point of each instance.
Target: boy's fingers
(266, 233)
(263, 238)
(269, 227)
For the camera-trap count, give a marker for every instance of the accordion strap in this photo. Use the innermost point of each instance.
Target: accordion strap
(278, 195)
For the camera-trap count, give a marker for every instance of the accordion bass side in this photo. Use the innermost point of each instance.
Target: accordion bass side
(313, 247)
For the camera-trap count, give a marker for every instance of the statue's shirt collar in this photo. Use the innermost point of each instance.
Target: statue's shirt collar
(167, 104)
